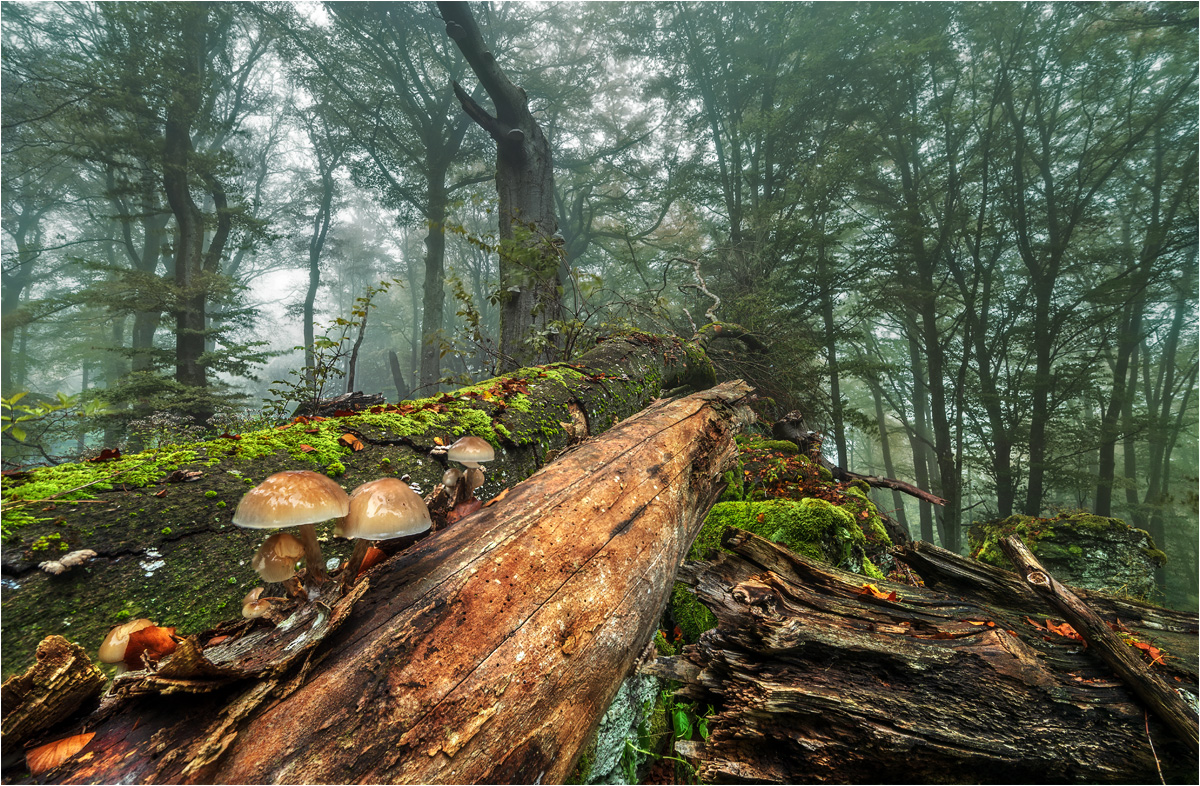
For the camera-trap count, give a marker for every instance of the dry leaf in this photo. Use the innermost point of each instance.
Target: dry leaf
(148, 646)
(306, 447)
(350, 441)
(496, 499)
(438, 441)
(373, 557)
(46, 757)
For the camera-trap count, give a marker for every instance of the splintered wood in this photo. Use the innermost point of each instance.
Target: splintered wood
(816, 676)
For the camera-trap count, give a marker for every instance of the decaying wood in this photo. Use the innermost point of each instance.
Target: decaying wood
(1172, 631)
(486, 653)
(61, 681)
(1152, 689)
(815, 678)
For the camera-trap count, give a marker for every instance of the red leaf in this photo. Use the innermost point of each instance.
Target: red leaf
(306, 447)
(108, 454)
(462, 510)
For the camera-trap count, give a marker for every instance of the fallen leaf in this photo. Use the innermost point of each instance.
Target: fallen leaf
(306, 447)
(216, 640)
(875, 592)
(148, 646)
(1064, 630)
(496, 499)
(162, 493)
(46, 757)
(108, 454)
(438, 441)
(462, 510)
(373, 557)
(350, 441)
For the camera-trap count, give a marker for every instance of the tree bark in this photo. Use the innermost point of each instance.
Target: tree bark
(815, 678)
(487, 653)
(530, 248)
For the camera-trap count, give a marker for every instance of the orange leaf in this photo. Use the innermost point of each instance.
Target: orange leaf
(1034, 624)
(373, 557)
(306, 448)
(1064, 630)
(350, 441)
(148, 646)
(438, 441)
(496, 499)
(46, 757)
(462, 510)
(215, 640)
(873, 591)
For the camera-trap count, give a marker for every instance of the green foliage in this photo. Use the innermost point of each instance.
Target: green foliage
(15, 414)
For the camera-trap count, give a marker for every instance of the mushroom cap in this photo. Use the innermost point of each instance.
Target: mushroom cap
(473, 478)
(291, 498)
(469, 451)
(451, 477)
(112, 649)
(384, 509)
(276, 558)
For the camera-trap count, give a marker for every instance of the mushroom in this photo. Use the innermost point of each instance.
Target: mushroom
(254, 605)
(112, 649)
(277, 557)
(474, 479)
(451, 477)
(295, 498)
(380, 510)
(470, 451)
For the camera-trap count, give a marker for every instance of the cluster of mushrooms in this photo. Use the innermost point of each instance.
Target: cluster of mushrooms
(378, 510)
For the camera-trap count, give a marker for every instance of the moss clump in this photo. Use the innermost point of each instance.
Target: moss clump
(692, 616)
(813, 527)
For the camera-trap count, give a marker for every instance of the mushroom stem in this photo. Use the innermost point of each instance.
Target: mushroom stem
(356, 558)
(314, 575)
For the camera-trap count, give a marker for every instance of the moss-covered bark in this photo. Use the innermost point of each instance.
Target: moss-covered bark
(160, 521)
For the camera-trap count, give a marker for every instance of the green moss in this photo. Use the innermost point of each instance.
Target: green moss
(778, 446)
(210, 494)
(692, 616)
(824, 473)
(662, 646)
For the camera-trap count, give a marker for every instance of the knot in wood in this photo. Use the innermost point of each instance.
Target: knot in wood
(1038, 579)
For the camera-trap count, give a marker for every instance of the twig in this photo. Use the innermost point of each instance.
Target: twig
(1154, 753)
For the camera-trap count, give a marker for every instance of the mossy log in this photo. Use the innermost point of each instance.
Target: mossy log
(160, 521)
(486, 653)
(816, 677)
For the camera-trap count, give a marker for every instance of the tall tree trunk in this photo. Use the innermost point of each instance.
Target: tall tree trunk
(433, 304)
(530, 248)
(189, 222)
(889, 469)
(316, 244)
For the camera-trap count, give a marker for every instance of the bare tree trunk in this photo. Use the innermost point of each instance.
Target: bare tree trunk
(530, 248)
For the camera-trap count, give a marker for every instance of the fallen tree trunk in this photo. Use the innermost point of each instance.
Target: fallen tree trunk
(486, 653)
(816, 678)
(159, 522)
